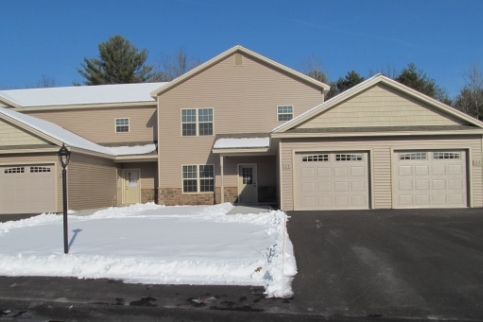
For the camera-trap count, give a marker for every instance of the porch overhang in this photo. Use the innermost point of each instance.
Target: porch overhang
(242, 144)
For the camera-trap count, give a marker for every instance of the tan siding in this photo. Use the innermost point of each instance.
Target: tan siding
(97, 125)
(244, 99)
(381, 168)
(12, 135)
(381, 106)
(41, 158)
(91, 182)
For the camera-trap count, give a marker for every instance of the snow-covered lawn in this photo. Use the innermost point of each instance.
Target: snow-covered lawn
(152, 244)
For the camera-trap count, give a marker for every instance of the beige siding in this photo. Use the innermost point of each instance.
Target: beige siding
(381, 153)
(380, 106)
(98, 125)
(12, 135)
(34, 159)
(244, 99)
(91, 182)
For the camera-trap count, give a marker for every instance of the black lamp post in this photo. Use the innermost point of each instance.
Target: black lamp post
(64, 156)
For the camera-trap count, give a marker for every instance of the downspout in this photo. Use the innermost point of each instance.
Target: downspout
(222, 190)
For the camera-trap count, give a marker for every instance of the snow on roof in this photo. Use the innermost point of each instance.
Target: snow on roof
(133, 150)
(56, 132)
(234, 143)
(70, 139)
(82, 95)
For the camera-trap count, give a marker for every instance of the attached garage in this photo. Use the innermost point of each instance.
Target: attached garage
(388, 146)
(27, 189)
(430, 179)
(332, 180)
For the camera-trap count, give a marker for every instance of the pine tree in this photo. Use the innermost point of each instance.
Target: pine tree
(119, 62)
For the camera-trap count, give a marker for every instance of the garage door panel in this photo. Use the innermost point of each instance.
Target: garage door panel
(27, 189)
(308, 172)
(341, 182)
(308, 187)
(341, 186)
(438, 179)
(423, 200)
(324, 172)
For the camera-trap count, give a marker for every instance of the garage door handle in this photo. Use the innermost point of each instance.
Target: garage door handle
(254, 184)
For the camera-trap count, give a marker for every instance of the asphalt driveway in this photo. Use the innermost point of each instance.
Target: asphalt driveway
(389, 263)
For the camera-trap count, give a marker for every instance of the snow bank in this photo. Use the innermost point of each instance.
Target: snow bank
(157, 245)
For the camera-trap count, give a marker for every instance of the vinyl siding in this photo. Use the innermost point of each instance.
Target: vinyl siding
(91, 182)
(244, 100)
(39, 158)
(12, 135)
(381, 106)
(98, 125)
(381, 157)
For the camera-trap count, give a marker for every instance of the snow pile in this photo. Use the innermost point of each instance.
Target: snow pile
(227, 143)
(157, 245)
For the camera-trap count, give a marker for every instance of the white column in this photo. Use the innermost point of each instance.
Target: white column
(222, 189)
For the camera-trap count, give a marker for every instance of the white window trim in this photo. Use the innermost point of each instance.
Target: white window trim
(197, 121)
(197, 179)
(293, 112)
(128, 124)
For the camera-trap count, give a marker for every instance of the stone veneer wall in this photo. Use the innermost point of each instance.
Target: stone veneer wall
(149, 195)
(231, 194)
(174, 196)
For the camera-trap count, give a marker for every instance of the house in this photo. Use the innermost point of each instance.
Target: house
(238, 128)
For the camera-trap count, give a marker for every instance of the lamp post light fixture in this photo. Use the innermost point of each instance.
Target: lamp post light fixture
(64, 156)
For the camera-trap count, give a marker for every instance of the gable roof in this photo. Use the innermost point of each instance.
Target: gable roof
(239, 49)
(377, 79)
(57, 134)
(80, 95)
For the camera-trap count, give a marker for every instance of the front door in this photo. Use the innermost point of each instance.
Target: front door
(247, 183)
(132, 186)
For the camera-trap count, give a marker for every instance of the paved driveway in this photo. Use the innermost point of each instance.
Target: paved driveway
(389, 263)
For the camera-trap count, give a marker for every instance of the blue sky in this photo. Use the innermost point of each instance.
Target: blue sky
(51, 37)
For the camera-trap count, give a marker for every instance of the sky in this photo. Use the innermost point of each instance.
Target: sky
(51, 37)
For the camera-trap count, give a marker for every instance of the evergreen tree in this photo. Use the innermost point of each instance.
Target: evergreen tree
(119, 62)
(418, 80)
(351, 79)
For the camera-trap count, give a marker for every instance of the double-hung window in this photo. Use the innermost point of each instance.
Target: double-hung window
(198, 178)
(284, 113)
(122, 125)
(196, 121)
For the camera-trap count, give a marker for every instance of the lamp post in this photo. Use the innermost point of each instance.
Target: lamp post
(64, 156)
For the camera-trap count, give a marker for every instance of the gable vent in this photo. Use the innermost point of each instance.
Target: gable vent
(238, 59)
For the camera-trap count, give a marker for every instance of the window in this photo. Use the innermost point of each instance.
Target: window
(39, 169)
(316, 158)
(122, 125)
(413, 156)
(196, 121)
(445, 155)
(15, 170)
(284, 113)
(198, 178)
(348, 157)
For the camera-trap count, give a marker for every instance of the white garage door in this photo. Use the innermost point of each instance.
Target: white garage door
(27, 189)
(430, 179)
(335, 180)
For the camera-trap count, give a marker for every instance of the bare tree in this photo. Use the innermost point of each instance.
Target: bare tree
(312, 66)
(470, 98)
(45, 81)
(173, 66)
(389, 71)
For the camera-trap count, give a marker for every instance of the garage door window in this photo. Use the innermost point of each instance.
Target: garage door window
(348, 157)
(316, 158)
(413, 156)
(39, 169)
(15, 170)
(446, 155)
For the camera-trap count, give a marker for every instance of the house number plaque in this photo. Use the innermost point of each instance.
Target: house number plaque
(287, 166)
